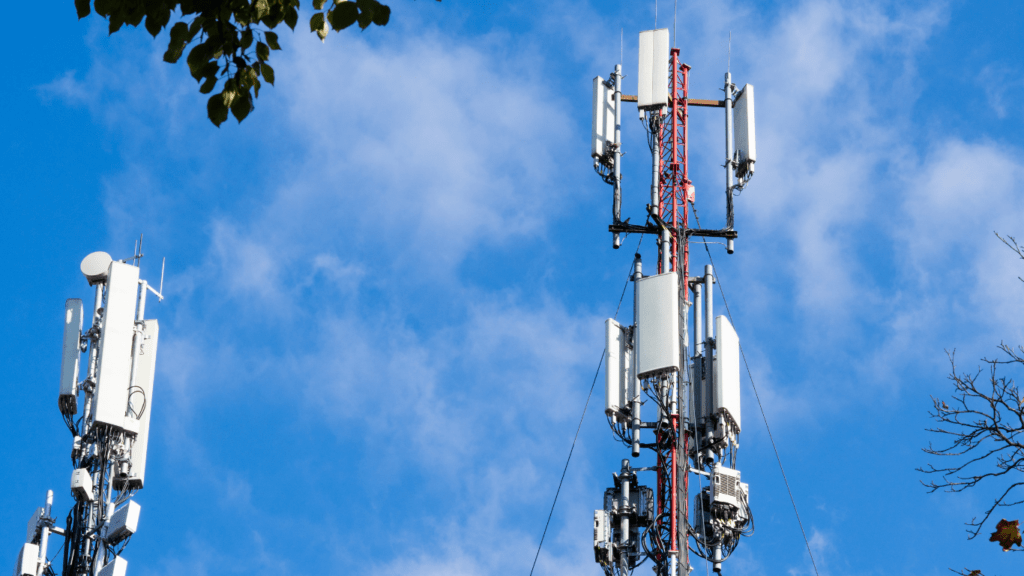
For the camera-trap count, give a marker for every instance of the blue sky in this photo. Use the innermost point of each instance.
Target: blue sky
(386, 288)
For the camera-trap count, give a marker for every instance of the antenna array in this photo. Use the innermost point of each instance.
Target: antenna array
(111, 434)
(695, 388)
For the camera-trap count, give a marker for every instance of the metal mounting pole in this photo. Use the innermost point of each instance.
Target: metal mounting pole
(729, 164)
(617, 155)
(633, 385)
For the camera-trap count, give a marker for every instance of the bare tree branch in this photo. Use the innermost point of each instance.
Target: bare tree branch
(983, 425)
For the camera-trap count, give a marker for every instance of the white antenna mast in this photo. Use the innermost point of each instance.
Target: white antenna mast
(111, 436)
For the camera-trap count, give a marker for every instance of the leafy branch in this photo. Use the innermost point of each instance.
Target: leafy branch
(231, 39)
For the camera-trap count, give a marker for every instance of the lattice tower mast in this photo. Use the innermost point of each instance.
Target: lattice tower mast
(654, 355)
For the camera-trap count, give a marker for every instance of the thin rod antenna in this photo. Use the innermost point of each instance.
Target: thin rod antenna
(728, 63)
(162, 265)
(622, 31)
(675, 19)
(655, 14)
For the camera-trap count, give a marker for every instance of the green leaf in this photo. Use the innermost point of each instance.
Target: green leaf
(197, 59)
(343, 15)
(246, 38)
(209, 85)
(248, 77)
(116, 21)
(195, 27)
(262, 9)
(230, 91)
(83, 8)
(291, 17)
(316, 22)
(268, 73)
(272, 40)
(179, 37)
(134, 13)
(241, 107)
(157, 18)
(216, 110)
(262, 51)
(381, 15)
(321, 28)
(318, 4)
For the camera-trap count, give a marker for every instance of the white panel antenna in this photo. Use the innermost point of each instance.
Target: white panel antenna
(603, 125)
(652, 75)
(657, 324)
(34, 527)
(123, 523)
(702, 408)
(620, 374)
(141, 400)
(28, 560)
(115, 365)
(71, 356)
(727, 371)
(116, 567)
(746, 147)
(603, 549)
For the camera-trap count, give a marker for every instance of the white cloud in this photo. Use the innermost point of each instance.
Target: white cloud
(396, 165)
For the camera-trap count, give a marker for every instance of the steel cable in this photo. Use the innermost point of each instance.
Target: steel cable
(580, 426)
(750, 376)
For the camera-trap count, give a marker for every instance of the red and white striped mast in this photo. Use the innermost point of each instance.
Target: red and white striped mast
(653, 355)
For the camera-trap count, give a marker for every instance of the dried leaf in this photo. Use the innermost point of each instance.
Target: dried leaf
(1007, 534)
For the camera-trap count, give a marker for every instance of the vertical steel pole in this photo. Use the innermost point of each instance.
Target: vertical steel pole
(729, 165)
(624, 526)
(45, 537)
(617, 154)
(635, 398)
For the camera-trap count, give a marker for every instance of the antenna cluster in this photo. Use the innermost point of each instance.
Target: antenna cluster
(694, 385)
(108, 414)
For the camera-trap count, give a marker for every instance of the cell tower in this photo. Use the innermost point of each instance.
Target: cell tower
(114, 399)
(693, 384)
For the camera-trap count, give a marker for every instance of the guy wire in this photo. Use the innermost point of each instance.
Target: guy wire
(750, 377)
(585, 406)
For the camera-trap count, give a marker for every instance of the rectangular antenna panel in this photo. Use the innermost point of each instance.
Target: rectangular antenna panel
(619, 375)
(115, 363)
(603, 550)
(652, 76)
(657, 324)
(727, 371)
(123, 522)
(141, 400)
(72, 354)
(743, 116)
(28, 560)
(34, 527)
(701, 391)
(117, 567)
(603, 125)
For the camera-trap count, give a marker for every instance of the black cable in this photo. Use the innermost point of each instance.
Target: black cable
(580, 426)
(564, 470)
(750, 376)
